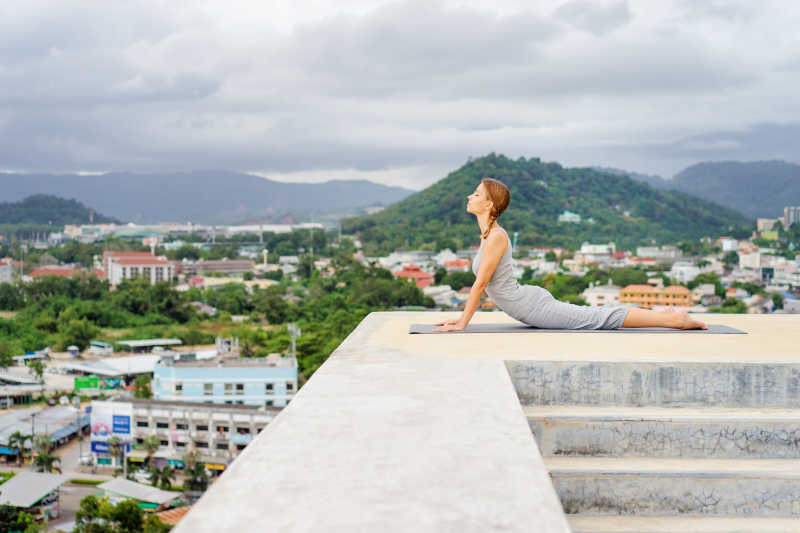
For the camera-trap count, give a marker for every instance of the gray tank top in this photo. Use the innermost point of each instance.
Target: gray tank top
(502, 288)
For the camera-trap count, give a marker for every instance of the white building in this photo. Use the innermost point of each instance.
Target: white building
(705, 289)
(441, 294)
(684, 271)
(791, 215)
(154, 269)
(444, 256)
(601, 295)
(569, 216)
(595, 253)
(728, 245)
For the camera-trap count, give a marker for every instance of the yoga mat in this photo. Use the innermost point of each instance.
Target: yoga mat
(522, 328)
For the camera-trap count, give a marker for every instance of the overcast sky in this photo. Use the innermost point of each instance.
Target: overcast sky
(398, 92)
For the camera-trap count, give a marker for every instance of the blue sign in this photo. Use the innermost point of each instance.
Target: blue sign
(121, 424)
(99, 446)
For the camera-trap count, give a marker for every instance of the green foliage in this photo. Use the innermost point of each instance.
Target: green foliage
(625, 276)
(141, 386)
(13, 519)
(777, 300)
(457, 280)
(707, 277)
(730, 259)
(539, 193)
(6, 354)
(730, 305)
(48, 209)
(99, 515)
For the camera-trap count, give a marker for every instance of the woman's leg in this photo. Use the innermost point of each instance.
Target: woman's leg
(670, 318)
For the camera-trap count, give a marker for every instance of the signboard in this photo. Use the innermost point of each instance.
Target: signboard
(85, 382)
(110, 419)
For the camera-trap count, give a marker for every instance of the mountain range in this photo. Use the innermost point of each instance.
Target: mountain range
(613, 207)
(755, 188)
(203, 197)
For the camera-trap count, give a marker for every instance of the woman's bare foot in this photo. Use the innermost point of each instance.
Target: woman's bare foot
(684, 321)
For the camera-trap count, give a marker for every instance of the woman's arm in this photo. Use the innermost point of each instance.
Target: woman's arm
(493, 249)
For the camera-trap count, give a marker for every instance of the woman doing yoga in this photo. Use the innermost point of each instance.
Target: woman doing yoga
(530, 304)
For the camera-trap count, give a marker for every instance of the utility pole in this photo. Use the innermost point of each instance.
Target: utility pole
(33, 435)
(312, 237)
(76, 401)
(294, 331)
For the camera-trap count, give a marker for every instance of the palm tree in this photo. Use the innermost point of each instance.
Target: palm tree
(45, 462)
(17, 440)
(42, 443)
(162, 477)
(151, 445)
(114, 447)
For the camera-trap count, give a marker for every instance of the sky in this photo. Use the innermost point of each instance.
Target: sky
(397, 92)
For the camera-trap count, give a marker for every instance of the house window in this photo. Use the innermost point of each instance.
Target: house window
(222, 445)
(180, 445)
(270, 388)
(229, 388)
(269, 403)
(139, 440)
(182, 426)
(201, 427)
(243, 431)
(289, 386)
(178, 389)
(200, 444)
(164, 442)
(162, 425)
(240, 447)
(240, 389)
(208, 389)
(142, 424)
(222, 428)
(146, 272)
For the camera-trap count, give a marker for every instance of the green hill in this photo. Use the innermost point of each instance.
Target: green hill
(47, 209)
(539, 193)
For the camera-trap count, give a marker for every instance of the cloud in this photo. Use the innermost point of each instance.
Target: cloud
(399, 90)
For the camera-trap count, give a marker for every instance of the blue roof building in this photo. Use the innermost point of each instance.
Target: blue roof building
(270, 381)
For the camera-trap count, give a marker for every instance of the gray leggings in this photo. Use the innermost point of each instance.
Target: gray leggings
(539, 309)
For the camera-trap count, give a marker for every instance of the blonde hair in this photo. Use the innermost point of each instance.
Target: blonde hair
(500, 196)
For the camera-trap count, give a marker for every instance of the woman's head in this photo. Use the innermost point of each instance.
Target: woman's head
(490, 197)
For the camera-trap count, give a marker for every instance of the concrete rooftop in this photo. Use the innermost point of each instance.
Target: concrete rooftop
(400, 432)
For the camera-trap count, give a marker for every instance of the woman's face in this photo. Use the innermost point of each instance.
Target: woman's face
(478, 202)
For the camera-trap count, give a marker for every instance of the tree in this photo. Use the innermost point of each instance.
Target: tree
(99, 515)
(151, 445)
(13, 519)
(162, 477)
(196, 477)
(622, 277)
(777, 300)
(141, 386)
(17, 440)
(44, 462)
(36, 369)
(730, 259)
(550, 256)
(6, 352)
(115, 445)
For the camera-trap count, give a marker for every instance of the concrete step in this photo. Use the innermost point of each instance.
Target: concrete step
(674, 524)
(659, 487)
(660, 384)
(709, 432)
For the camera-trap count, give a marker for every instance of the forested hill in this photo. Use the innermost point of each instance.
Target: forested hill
(756, 188)
(625, 211)
(48, 209)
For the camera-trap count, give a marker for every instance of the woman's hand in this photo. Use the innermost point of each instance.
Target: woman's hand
(450, 325)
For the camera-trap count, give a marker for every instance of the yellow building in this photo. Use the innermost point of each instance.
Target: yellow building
(648, 296)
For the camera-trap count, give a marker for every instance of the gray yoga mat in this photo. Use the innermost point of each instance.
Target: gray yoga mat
(522, 328)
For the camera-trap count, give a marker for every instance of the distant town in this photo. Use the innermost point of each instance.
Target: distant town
(110, 387)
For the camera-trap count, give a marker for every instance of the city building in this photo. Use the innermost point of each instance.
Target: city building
(128, 265)
(595, 253)
(442, 295)
(569, 216)
(458, 265)
(791, 215)
(665, 254)
(727, 244)
(270, 381)
(148, 345)
(66, 272)
(600, 295)
(765, 224)
(648, 296)
(684, 271)
(35, 493)
(422, 278)
(229, 266)
(217, 432)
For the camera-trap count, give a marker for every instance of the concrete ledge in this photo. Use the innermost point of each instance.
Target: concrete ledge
(424, 433)
(382, 440)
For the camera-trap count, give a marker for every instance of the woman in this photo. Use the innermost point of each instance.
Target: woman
(531, 304)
